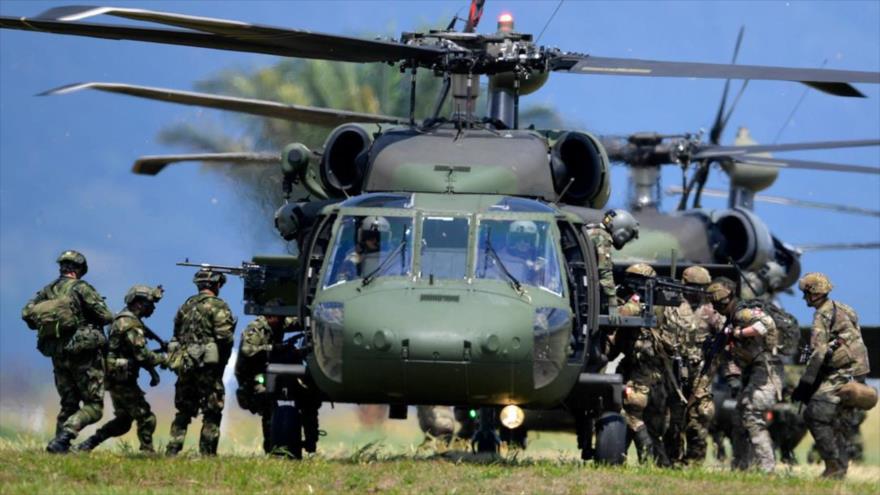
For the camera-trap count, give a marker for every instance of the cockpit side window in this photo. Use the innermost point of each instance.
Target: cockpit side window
(522, 249)
(444, 247)
(370, 246)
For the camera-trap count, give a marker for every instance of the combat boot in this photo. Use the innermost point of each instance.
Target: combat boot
(89, 444)
(61, 443)
(834, 469)
(644, 445)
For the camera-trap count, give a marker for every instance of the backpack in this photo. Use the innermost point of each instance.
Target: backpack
(56, 318)
(788, 331)
(196, 340)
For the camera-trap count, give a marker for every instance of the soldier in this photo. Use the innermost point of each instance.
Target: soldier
(839, 356)
(69, 316)
(754, 362)
(366, 256)
(127, 354)
(204, 331)
(617, 228)
(694, 321)
(258, 340)
(640, 368)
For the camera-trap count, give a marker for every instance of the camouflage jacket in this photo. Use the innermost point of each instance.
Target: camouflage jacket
(205, 319)
(837, 321)
(256, 343)
(746, 351)
(642, 348)
(94, 310)
(602, 242)
(694, 326)
(127, 341)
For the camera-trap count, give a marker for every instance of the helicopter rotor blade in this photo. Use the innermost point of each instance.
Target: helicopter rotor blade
(779, 200)
(826, 80)
(153, 164)
(733, 151)
(718, 125)
(221, 34)
(804, 165)
(262, 108)
(843, 246)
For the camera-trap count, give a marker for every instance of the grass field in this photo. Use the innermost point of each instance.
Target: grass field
(388, 460)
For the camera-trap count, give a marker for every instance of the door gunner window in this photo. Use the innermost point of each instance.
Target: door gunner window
(374, 246)
(523, 249)
(444, 247)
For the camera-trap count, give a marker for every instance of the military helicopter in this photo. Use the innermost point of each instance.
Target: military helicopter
(460, 185)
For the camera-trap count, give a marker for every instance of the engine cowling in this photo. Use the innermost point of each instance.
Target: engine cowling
(580, 156)
(345, 158)
(742, 237)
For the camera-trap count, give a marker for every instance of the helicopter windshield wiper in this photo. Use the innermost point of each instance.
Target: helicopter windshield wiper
(385, 263)
(517, 286)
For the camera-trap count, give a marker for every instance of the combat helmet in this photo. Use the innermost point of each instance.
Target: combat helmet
(74, 259)
(642, 269)
(622, 226)
(206, 276)
(523, 230)
(696, 275)
(145, 292)
(373, 226)
(721, 289)
(815, 283)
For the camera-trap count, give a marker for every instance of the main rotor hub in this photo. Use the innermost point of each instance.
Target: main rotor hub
(474, 53)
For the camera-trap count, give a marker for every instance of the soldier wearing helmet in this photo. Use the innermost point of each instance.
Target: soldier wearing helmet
(204, 331)
(838, 356)
(258, 340)
(69, 316)
(689, 325)
(373, 235)
(127, 354)
(755, 366)
(641, 369)
(617, 228)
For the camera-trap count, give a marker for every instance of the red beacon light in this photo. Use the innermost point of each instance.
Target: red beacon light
(505, 23)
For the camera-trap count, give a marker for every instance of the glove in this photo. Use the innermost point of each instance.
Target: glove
(802, 392)
(154, 377)
(267, 348)
(735, 383)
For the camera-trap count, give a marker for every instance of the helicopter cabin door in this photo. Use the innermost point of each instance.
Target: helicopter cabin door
(583, 281)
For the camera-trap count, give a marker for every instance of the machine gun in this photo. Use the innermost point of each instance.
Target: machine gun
(656, 291)
(265, 278)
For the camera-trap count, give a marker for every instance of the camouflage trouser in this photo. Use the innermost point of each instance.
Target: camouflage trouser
(763, 389)
(609, 289)
(700, 411)
(199, 390)
(129, 405)
(634, 404)
(828, 421)
(79, 379)
(437, 421)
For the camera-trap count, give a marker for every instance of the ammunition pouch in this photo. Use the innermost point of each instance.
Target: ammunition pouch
(842, 357)
(210, 353)
(857, 395)
(118, 369)
(86, 338)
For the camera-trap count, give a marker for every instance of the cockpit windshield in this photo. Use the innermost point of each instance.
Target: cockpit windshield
(520, 252)
(368, 247)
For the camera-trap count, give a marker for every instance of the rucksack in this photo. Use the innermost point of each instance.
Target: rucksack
(56, 318)
(788, 331)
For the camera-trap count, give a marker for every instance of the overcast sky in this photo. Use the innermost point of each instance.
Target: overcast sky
(64, 161)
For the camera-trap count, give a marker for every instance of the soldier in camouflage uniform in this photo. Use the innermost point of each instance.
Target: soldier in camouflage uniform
(77, 354)
(204, 331)
(257, 341)
(640, 368)
(839, 356)
(693, 322)
(617, 228)
(127, 354)
(753, 357)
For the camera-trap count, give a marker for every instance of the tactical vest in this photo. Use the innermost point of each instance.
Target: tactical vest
(788, 332)
(851, 353)
(120, 363)
(194, 336)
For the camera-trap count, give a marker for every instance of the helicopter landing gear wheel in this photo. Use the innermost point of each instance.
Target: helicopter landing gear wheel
(610, 439)
(286, 439)
(485, 439)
